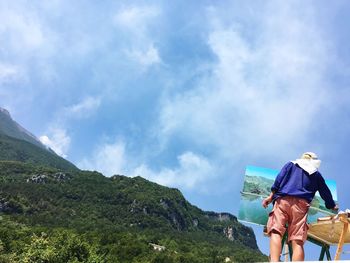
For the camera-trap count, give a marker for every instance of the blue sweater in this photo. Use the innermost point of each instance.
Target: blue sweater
(294, 181)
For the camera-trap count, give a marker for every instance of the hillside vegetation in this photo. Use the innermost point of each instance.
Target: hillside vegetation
(87, 217)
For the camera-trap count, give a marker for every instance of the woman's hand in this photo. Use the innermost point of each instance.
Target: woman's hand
(335, 208)
(266, 201)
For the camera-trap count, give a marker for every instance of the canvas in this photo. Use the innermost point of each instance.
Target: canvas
(257, 186)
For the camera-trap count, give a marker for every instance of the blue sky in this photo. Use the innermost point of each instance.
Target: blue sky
(261, 171)
(184, 93)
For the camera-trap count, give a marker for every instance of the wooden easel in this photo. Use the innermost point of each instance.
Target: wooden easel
(325, 233)
(330, 231)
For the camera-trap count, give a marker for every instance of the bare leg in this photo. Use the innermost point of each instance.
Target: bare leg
(298, 250)
(275, 246)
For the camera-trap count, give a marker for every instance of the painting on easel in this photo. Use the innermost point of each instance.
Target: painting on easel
(257, 186)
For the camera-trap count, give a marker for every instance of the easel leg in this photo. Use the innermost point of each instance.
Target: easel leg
(322, 254)
(341, 240)
(290, 247)
(328, 254)
(324, 249)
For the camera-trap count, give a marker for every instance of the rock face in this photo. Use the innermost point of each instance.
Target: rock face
(43, 178)
(164, 204)
(221, 217)
(9, 206)
(38, 179)
(228, 232)
(60, 176)
(3, 205)
(195, 222)
(169, 205)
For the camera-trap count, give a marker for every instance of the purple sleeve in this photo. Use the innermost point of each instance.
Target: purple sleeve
(280, 176)
(325, 193)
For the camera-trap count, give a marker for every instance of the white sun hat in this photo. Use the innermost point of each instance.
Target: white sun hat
(309, 162)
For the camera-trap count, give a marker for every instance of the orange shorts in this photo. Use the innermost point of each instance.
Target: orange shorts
(289, 213)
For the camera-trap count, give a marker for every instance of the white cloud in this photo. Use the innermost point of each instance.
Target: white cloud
(56, 136)
(26, 44)
(9, 73)
(21, 29)
(191, 172)
(137, 22)
(84, 108)
(145, 58)
(136, 18)
(108, 159)
(57, 140)
(259, 97)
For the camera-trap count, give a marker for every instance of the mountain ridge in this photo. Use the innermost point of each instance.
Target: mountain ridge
(16, 143)
(11, 128)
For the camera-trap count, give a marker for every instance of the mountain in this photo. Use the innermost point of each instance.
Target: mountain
(120, 217)
(11, 128)
(50, 214)
(16, 143)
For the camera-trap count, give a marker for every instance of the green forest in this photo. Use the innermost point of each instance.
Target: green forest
(50, 215)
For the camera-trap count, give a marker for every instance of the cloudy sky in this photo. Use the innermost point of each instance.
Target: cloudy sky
(183, 93)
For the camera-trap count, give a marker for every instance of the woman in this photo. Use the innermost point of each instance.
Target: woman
(292, 192)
